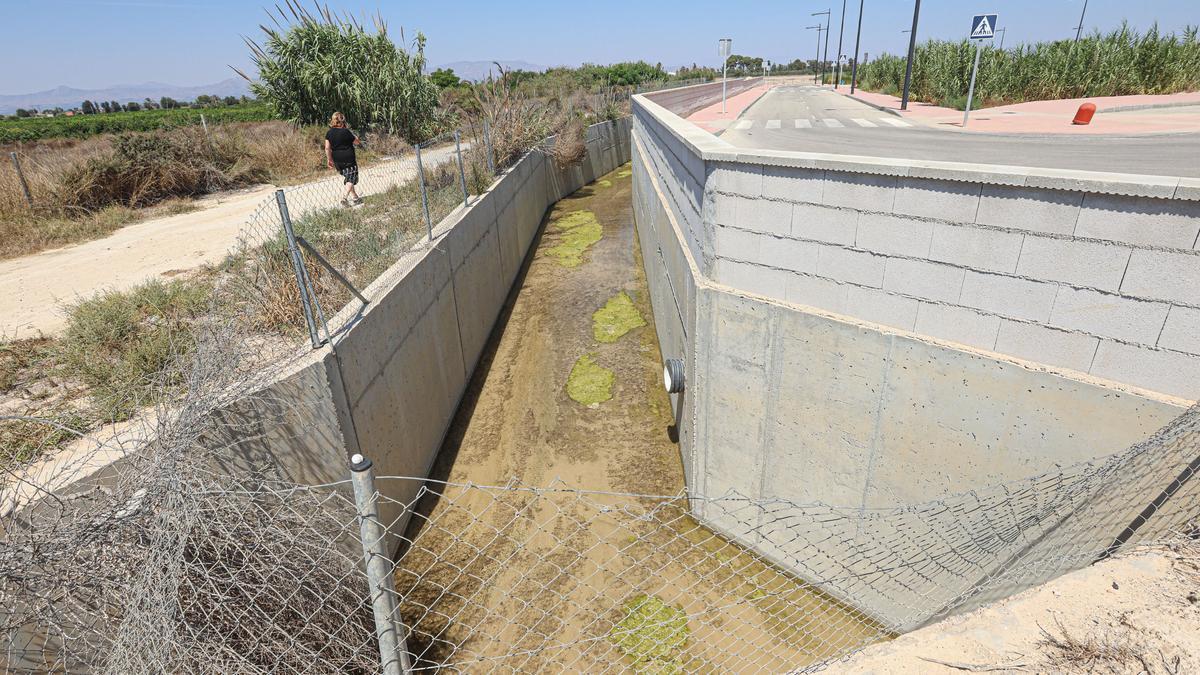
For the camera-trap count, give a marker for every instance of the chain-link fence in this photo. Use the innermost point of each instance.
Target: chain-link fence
(175, 568)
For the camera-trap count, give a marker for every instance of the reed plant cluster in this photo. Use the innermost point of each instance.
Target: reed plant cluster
(1118, 63)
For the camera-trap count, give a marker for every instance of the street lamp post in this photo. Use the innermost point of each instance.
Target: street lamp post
(837, 78)
(825, 60)
(912, 47)
(725, 48)
(1079, 28)
(1002, 31)
(817, 60)
(857, 37)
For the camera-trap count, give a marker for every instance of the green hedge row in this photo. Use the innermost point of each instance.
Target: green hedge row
(83, 126)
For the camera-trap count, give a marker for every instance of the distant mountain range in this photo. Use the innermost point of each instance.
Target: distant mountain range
(70, 97)
(479, 70)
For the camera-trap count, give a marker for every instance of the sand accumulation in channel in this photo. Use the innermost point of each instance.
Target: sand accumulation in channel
(577, 579)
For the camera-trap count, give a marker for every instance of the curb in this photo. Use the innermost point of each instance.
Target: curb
(890, 111)
(1149, 106)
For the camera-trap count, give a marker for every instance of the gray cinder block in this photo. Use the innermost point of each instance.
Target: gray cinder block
(1008, 296)
(1163, 275)
(944, 199)
(922, 279)
(856, 267)
(958, 324)
(1082, 263)
(1046, 345)
(990, 250)
(1182, 330)
(1109, 315)
(1030, 209)
(895, 235)
(1140, 220)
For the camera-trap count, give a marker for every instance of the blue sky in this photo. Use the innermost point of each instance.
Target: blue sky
(95, 43)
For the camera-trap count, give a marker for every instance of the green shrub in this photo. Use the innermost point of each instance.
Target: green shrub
(123, 344)
(318, 64)
(30, 129)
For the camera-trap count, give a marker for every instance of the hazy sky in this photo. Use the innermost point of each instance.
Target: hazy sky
(95, 43)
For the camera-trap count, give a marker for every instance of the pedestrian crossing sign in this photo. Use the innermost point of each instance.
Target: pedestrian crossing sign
(983, 27)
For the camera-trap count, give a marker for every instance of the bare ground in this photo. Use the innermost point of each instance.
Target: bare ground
(519, 581)
(1137, 613)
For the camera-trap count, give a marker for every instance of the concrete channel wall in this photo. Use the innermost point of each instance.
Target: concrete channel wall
(836, 351)
(405, 362)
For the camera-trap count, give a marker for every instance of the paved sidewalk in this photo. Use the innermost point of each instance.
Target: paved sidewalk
(713, 120)
(1054, 117)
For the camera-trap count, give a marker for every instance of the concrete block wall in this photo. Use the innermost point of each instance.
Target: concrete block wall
(1107, 285)
(840, 340)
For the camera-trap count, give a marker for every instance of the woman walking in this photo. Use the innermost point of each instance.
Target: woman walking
(339, 154)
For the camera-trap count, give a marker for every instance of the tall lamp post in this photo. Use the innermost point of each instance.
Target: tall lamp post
(837, 78)
(1002, 32)
(857, 37)
(825, 60)
(725, 48)
(1079, 28)
(912, 47)
(816, 61)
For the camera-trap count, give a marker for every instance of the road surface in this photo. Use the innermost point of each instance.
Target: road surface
(35, 288)
(809, 119)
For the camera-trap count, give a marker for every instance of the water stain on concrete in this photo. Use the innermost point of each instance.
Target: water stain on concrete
(617, 317)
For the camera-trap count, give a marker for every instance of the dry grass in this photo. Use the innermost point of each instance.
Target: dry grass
(84, 190)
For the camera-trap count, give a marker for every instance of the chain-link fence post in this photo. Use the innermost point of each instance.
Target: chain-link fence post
(462, 172)
(21, 176)
(298, 268)
(393, 652)
(487, 143)
(424, 192)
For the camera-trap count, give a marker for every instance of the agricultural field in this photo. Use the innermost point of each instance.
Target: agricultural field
(1114, 64)
(29, 129)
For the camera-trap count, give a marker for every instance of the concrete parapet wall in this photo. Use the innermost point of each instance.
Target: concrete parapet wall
(871, 340)
(684, 101)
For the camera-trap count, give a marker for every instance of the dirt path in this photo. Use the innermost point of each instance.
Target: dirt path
(34, 288)
(524, 581)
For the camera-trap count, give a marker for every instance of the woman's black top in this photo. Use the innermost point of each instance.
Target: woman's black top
(341, 141)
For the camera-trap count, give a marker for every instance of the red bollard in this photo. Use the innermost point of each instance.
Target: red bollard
(1084, 114)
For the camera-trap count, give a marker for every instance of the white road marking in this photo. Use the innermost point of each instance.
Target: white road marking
(862, 123)
(832, 123)
(772, 124)
(804, 124)
(743, 124)
(894, 122)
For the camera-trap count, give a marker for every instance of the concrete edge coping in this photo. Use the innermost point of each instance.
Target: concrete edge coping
(703, 281)
(880, 108)
(713, 148)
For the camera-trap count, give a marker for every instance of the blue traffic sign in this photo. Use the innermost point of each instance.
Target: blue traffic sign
(983, 27)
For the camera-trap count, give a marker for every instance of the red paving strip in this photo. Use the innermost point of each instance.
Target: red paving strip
(1054, 117)
(713, 120)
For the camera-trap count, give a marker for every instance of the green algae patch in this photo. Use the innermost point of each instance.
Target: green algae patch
(573, 219)
(589, 383)
(652, 634)
(617, 317)
(604, 182)
(624, 173)
(580, 230)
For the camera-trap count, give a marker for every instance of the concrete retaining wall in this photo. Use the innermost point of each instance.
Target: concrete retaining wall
(406, 361)
(829, 315)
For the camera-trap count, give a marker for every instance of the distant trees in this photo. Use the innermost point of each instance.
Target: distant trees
(445, 77)
(21, 112)
(167, 103)
(88, 108)
(133, 106)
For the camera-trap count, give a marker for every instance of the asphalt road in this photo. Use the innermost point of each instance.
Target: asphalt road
(809, 119)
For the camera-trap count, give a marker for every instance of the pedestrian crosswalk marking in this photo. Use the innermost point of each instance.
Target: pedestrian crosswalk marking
(832, 123)
(803, 124)
(863, 123)
(773, 124)
(743, 124)
(894, 122)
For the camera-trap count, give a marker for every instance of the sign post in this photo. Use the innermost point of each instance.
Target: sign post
(724, 49)
(983, 27)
